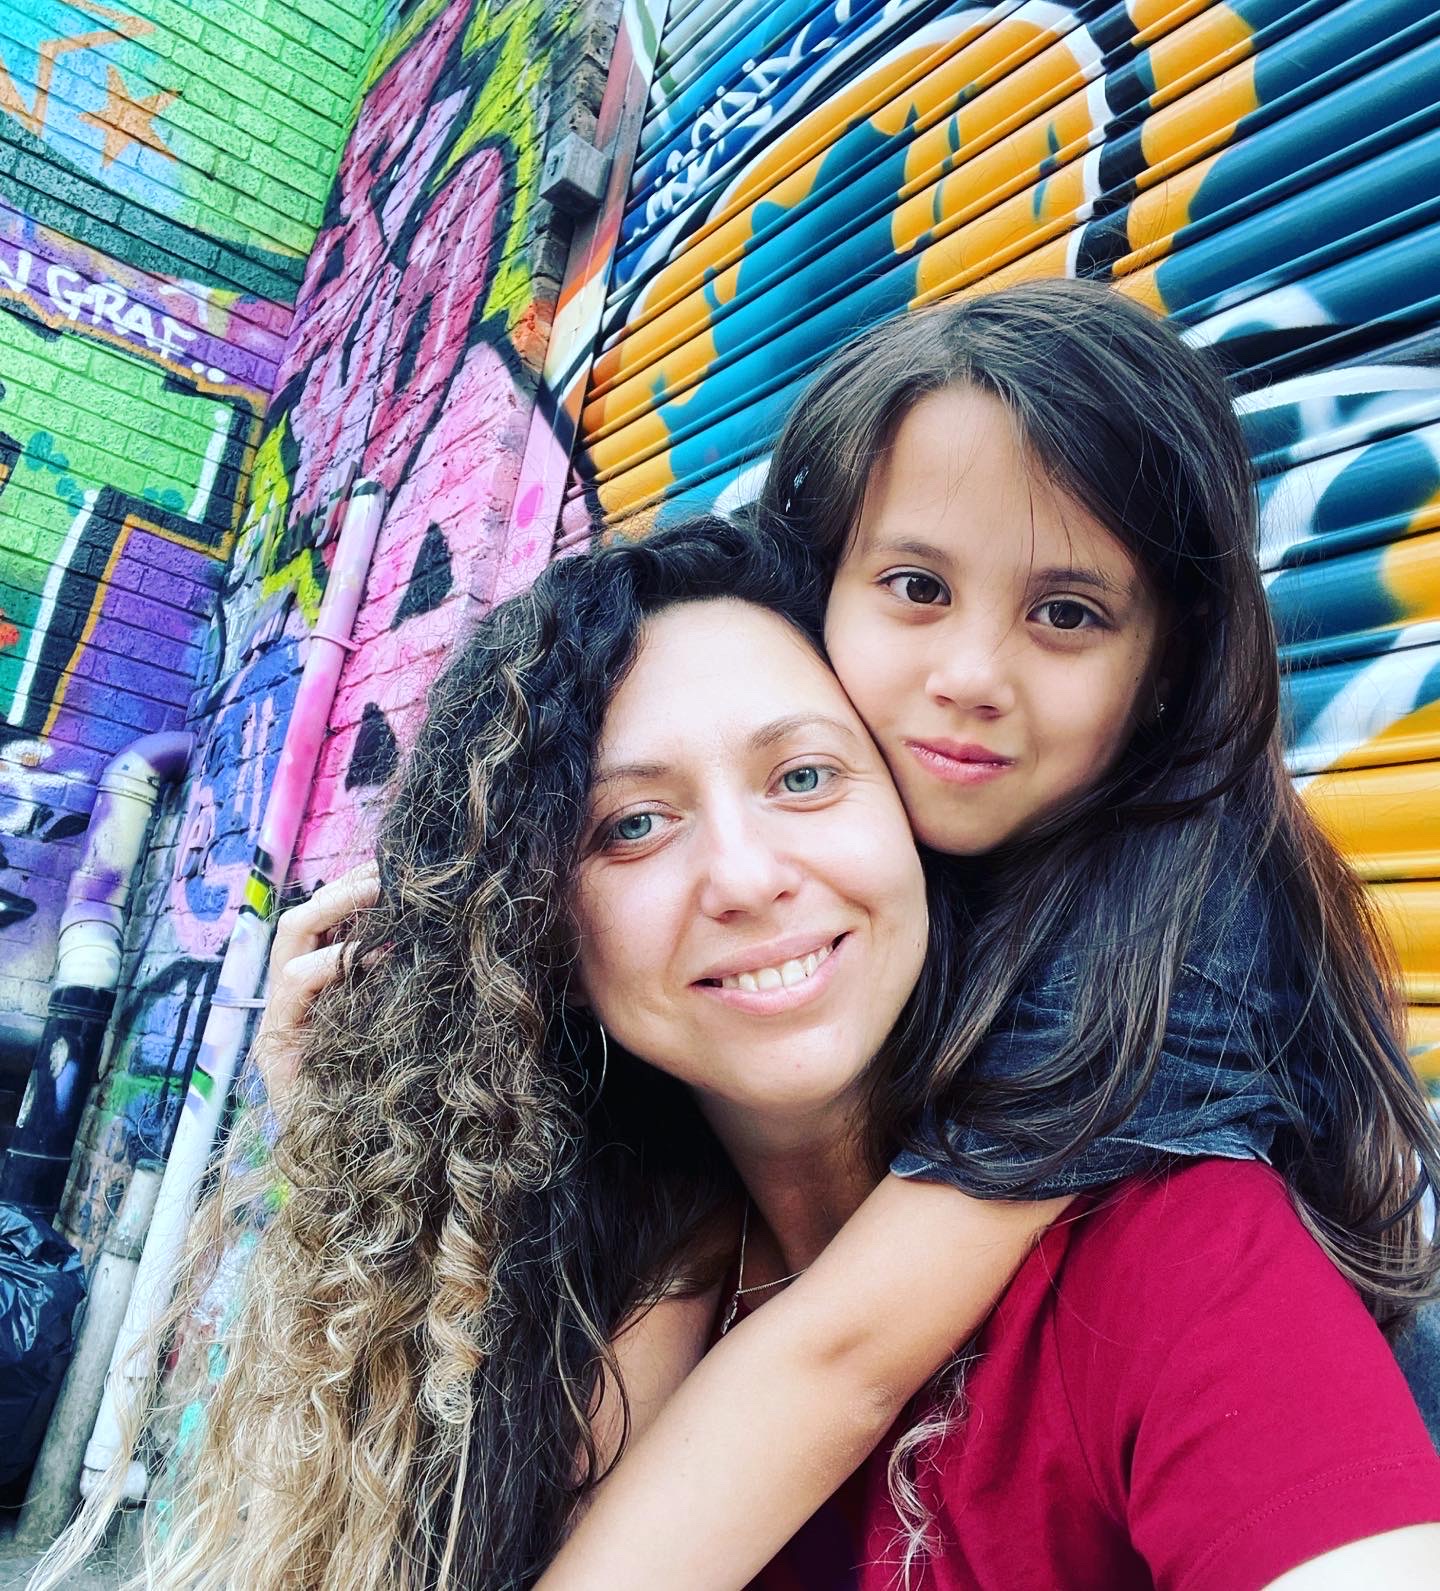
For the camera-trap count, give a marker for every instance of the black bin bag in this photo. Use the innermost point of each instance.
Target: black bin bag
(42, 1282)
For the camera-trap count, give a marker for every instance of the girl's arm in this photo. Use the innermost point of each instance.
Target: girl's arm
(1401, 1560)
(781, 1411)
(654, 1352)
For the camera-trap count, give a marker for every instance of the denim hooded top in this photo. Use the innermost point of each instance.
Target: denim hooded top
(1214, 1090)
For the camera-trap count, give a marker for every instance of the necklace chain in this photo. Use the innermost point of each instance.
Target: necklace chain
(758, 1287)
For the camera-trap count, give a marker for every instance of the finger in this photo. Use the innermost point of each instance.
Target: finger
(295, 983)
(310, 924)
(277, 1062)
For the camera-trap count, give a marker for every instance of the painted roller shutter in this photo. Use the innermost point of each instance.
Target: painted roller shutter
(1266, 171)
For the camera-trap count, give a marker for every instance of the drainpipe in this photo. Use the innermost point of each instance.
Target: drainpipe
(54, 1484)
(242, 973)
(87, 969)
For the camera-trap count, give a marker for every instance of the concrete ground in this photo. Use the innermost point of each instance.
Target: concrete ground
(103, 1573)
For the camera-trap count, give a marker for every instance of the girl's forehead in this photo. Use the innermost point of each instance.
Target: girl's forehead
(959, 484)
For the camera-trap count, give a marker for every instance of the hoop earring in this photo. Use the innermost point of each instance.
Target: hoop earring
(604, 1058)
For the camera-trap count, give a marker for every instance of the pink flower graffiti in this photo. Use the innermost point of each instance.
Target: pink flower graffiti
(396, 279)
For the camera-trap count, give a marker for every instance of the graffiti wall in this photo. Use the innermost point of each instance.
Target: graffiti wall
(189, 140)
(1263, 170)
(163, 172)
(419, 331)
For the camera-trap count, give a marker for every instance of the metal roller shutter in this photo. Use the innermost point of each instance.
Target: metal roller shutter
(1266, 171)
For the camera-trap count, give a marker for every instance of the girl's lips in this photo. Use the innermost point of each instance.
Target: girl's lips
(773, 1002)
(969, 769)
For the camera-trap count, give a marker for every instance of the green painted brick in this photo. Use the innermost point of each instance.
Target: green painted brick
(263, 218)
(291, 179)
(120, 376)
(222, 131)
(259, 124)
(335, 19)
(178, 19)
(330, 47)
(179, 240)
(18, 367)
(310, 155)
(291, 112)
(223, 103)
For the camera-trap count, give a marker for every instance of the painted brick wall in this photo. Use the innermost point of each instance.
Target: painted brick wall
(163, 173)
(419, 332)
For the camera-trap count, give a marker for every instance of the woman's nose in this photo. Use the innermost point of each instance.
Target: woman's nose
(743, 868)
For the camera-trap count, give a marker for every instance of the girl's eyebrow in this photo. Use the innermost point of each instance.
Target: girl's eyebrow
(1073, 575)
(761, 739)
(925, 550)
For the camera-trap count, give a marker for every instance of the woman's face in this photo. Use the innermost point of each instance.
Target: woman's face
(750, 905)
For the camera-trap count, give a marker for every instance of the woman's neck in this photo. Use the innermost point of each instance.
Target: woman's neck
(805, 1179)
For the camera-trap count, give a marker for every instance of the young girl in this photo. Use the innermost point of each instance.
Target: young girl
(1035, 516)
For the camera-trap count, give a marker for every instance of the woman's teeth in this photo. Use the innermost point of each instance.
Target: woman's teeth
(784, 976)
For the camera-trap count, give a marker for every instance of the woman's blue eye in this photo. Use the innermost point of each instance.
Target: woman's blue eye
(1063, 614)
(637, 826)
(801, 781)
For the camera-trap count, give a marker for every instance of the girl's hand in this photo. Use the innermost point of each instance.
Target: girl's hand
(305, 957)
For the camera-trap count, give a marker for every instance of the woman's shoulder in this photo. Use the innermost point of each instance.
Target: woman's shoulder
(1205, 1277)
(1183, 1234)
(1211, 1201)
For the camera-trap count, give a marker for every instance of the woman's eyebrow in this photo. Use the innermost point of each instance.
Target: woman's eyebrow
(769, 735)
(631, 770)
(761, 739)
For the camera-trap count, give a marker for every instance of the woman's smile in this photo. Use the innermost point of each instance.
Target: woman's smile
(778, 977)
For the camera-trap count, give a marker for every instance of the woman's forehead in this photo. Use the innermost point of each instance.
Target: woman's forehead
(719, 670)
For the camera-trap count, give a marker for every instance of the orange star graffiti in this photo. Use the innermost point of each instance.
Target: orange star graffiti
(125, 120)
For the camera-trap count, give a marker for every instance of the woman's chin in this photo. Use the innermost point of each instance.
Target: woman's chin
(810, 1079)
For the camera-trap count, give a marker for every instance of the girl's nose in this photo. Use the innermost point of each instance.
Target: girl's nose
(743, 868)
(972, 673)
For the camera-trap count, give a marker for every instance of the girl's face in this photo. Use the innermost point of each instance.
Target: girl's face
(750, 905)
(997, 639)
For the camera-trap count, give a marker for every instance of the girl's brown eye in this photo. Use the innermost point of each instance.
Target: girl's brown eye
(925, 591)
(1065, 615)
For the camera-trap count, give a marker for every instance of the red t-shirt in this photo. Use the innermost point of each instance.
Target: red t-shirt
(1177, 1391)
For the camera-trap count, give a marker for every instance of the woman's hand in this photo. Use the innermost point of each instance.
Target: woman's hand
(305, 957)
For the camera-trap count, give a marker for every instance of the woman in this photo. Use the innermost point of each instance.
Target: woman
(627, 794)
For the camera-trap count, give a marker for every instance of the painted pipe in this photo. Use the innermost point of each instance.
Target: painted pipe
(242, 973)
(87, 970)
(55, 1482)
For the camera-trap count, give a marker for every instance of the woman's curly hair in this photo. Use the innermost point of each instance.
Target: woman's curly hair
(474, 1201)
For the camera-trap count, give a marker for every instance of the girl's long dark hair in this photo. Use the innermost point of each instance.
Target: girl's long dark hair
(1138, 428)
(477, 1194)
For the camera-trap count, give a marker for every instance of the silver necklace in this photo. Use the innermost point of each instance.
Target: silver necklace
(740, 1288)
